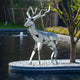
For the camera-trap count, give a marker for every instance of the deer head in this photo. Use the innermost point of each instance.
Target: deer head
(31, 19)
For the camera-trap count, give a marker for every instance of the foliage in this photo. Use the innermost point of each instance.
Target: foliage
(18, 9)
(60, 30)
(70, 14)
(25, 3)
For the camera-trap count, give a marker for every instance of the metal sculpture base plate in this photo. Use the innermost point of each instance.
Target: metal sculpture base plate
(63, 66)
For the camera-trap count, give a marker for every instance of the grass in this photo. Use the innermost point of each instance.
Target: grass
(9, 26)
(15, 26)
(59, 30)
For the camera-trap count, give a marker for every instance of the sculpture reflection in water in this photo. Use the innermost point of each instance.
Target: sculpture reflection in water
(41, 37)
(47, 77)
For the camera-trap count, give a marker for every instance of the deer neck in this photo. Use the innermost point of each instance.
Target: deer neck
(33, 31)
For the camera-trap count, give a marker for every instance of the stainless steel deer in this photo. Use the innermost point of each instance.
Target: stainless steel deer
(40, 37)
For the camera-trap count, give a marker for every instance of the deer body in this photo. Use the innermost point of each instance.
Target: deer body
(41, 37)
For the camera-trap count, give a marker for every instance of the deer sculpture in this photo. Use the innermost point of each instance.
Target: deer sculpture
(41, 37)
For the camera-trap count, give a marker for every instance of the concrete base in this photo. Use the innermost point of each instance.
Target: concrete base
(63, 65)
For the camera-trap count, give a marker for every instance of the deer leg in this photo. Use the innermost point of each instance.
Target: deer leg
(54, 53)
(39, 46)
(52, 57)
(52, 46)
(32, 55)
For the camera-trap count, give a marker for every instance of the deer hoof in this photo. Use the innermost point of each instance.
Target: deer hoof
(56, 62)
(30, 63)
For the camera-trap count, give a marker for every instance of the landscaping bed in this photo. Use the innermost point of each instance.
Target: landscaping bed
(59, 30)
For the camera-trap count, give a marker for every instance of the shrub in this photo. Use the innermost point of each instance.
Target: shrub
(59, 30)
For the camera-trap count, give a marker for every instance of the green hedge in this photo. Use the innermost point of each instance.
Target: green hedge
(59, 30)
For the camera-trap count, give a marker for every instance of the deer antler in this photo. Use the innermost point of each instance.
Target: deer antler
(28, 13)
(46, 11)
(33, 12)
(39, 14)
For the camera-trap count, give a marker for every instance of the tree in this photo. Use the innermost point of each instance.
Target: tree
(71, 18)
(24, 3)
(4, 11)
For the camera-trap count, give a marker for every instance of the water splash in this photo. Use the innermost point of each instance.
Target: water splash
(21, 38)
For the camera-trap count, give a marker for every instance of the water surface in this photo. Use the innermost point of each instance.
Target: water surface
(13, 48)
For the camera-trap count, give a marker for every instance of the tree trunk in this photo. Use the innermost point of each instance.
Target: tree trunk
(73, 50)
(4, 5)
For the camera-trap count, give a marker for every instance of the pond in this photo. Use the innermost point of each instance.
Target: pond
(47, 77)
(15, 48)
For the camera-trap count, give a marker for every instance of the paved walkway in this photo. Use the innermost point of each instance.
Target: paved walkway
(66, 39)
